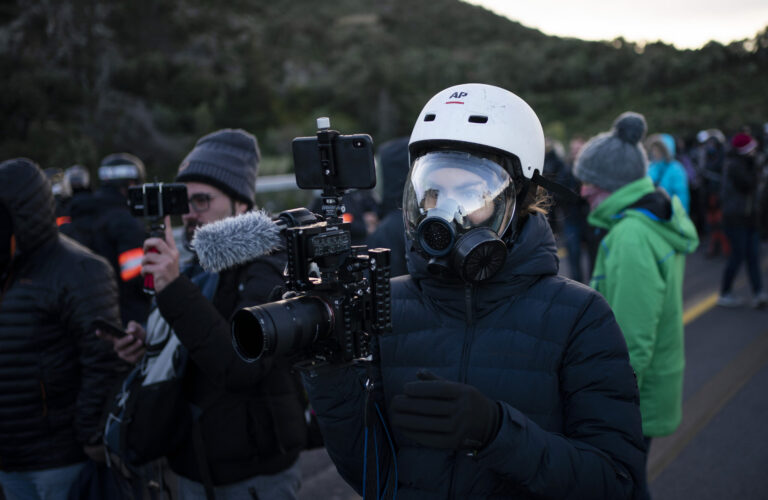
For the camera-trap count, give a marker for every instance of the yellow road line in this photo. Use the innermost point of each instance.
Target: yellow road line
(699, 308)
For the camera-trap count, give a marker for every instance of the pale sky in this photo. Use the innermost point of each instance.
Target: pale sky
(687, 24)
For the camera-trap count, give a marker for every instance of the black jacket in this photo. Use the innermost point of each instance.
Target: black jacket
(54, 374)
(391, 234)
(253, 414)
(102, 222)
(547, 349)
(739, 195)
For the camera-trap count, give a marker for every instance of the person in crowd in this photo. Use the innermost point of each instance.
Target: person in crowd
(740, 205)
(554, 166)
(252, 421)
(573, 211)
(55, 374)
(62, 193)
(711, 161)
(640, 264)
(499, 377)
(664, 169)
(390, 232)
(103, 222)
(79, 179)
(688, 155)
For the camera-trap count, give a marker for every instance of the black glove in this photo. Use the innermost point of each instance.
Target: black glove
(442, 414)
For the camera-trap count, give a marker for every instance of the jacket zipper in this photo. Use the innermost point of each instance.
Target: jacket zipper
(469, 296)
(469, 293)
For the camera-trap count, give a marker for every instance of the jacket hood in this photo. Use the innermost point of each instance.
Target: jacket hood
(533, 255)
(642, 201)
(667, 145)
(26, 193)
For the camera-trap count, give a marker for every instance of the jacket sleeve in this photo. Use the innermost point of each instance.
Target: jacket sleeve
(207, 337)
(127, 235)
(600, 453)
(337, 396)
(92, 293)
(634, 288)
(678, 184)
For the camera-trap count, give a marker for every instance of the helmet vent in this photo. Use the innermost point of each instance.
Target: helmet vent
(429, 118)
(478, 119)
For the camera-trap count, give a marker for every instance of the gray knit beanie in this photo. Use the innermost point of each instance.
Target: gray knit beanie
(611, 160)
(227, 159)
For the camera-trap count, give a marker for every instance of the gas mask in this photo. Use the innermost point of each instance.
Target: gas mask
(456, 207)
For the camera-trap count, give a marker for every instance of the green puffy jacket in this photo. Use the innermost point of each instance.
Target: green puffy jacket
(639, 270)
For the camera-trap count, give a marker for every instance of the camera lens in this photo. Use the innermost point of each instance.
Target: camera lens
(281, 327)
(357, 143)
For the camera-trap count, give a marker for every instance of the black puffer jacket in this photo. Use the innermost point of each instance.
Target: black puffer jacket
(253, 415)
(547, 349)
(54, 375)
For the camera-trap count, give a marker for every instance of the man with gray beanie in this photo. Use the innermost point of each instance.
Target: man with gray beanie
(640, 263)
(252, 422)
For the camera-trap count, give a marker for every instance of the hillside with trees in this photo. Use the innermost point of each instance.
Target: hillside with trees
(83, 78)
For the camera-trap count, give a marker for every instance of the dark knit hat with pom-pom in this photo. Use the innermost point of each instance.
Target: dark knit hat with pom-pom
(612, 159)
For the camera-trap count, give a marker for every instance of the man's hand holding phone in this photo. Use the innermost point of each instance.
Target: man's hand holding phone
(161, 258)
(130, 345)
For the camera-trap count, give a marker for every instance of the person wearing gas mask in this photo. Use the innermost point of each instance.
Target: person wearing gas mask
(500, 378)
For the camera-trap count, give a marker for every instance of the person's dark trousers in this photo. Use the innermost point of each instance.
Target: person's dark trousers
(745, 244)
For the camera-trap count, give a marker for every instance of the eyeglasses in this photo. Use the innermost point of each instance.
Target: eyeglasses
(200, 202)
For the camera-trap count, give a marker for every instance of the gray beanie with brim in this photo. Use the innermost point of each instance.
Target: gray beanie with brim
(613, 159)
(227, 159)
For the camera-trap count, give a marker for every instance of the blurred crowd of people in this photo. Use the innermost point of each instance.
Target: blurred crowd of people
(721, 181)
(72, 253)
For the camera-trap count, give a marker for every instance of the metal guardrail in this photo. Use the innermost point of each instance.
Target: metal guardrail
(273, 183)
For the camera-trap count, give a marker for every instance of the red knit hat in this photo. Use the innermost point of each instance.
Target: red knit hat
(743, 143)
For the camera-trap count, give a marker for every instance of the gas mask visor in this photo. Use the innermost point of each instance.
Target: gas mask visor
(456, 206)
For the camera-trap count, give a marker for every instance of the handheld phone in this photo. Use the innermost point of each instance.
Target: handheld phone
(158, 199)
(107, 327)
(154, 201)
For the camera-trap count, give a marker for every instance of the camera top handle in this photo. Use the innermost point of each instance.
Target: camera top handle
(332, 205)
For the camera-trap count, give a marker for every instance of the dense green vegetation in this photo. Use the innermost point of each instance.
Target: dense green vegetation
(83, 78)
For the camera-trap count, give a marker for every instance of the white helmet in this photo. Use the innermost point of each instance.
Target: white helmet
(482, 115)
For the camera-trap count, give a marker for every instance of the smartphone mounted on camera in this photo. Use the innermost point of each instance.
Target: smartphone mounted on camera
(350, 160)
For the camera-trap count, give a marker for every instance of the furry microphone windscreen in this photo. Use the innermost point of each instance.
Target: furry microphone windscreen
(235, 240)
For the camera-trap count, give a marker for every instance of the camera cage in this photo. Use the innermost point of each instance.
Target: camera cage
(352, 281)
